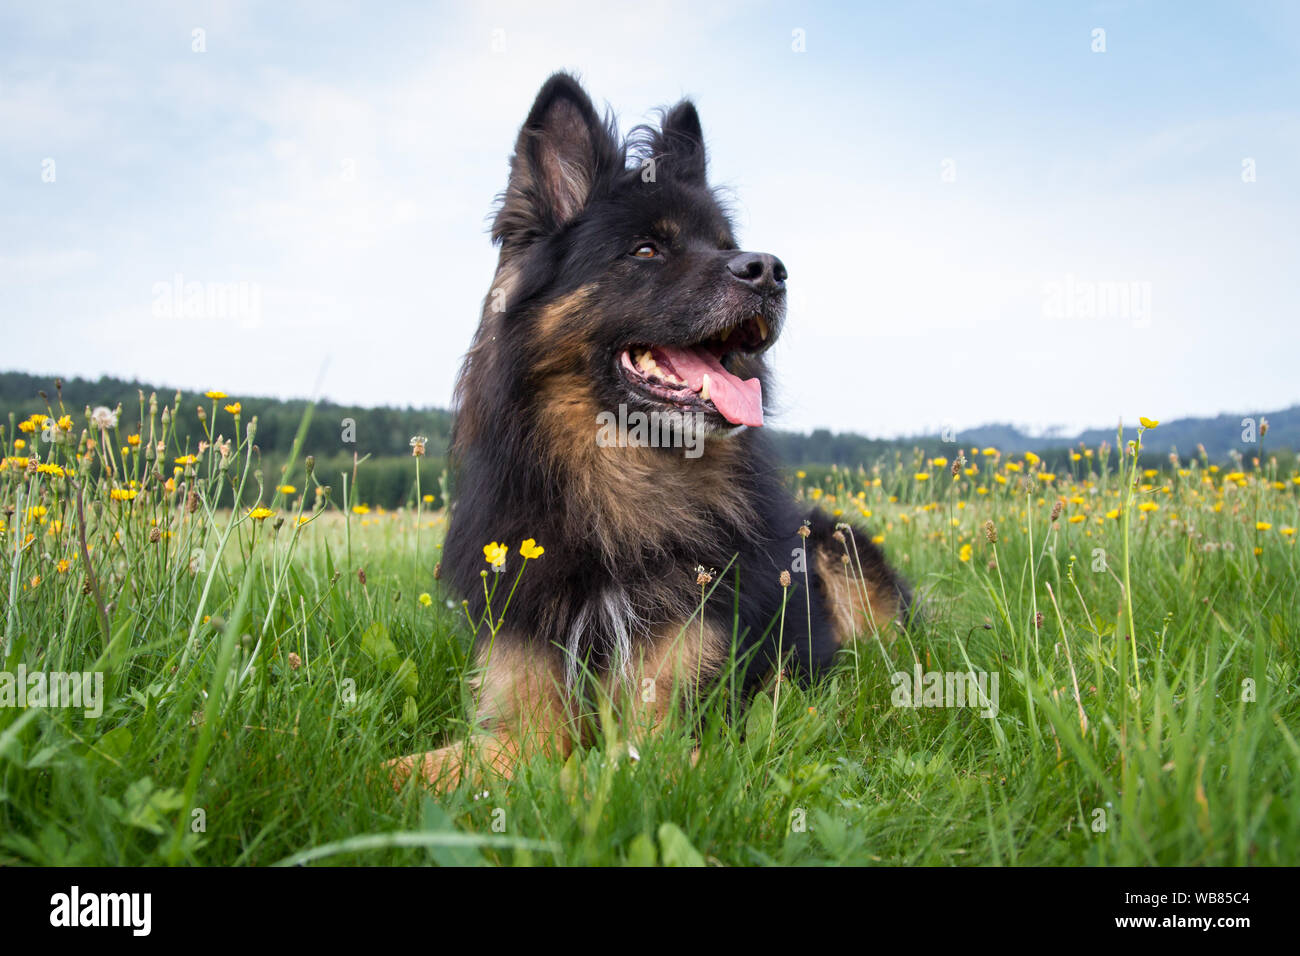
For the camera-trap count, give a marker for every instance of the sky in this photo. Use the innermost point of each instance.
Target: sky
(1050, 214)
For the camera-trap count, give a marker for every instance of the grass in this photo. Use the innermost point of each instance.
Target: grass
(258, 665)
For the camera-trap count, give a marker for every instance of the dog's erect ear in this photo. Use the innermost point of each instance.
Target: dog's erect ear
(564, 154)
(683, 144)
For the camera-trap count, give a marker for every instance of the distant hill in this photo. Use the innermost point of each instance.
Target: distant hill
(379, 431)
(1220, 435)
(385, 432)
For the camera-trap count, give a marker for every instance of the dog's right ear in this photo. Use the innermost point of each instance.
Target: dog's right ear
(565, 153)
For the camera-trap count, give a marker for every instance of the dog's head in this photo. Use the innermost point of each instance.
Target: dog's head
(619, 273)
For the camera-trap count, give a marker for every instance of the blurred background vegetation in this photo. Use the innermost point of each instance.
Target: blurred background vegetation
(380, 437)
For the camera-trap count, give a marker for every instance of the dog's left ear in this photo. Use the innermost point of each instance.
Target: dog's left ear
(683, 144)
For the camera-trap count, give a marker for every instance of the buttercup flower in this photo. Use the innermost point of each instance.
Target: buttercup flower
(531, 549)
(495, 554)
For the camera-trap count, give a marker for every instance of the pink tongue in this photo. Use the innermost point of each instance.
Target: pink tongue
(739, 401)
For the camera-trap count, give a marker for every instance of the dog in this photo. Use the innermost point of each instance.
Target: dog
(621, 296)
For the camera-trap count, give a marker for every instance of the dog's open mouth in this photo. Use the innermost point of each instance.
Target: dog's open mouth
(695, 376)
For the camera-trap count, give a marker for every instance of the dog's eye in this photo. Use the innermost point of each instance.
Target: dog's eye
(646, 250)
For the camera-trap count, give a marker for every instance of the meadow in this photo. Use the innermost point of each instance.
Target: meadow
(257, 665)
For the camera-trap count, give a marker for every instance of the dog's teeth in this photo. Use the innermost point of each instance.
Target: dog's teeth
(762, 327)
(704, 389)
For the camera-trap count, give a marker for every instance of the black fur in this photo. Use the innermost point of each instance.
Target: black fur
(577, 202)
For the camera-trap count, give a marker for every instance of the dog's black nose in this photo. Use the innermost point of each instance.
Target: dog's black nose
(758, 269)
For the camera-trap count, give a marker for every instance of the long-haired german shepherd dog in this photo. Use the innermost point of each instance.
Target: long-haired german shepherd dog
(621, 292)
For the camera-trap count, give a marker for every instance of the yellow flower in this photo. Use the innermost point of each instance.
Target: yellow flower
(63, 566)
(922, 476)
(1286, 531)
(286, 489)
(1147, 422)
(990, 452)
(49, 468)
(133, 440)
(801, 474)
(65, 423)
(1046, 476)
(425, 599)
(260, 514)
(877, 539)
(28, 427)
(1032, 458)
(1148, 506)
(1263, 526)
(19, 444)
(215, 395)
(123, 494)
(1075, 519)
(939, 462)
(361, 509)
(1113, 513)
(495, 554)
(187, 459)
(531, 549)
(234, 409)
(964, 553)
(428, 499)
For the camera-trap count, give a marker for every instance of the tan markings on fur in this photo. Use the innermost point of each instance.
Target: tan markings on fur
(667, 228)
(557, 340)
(521, 713)
(849, 597)
(635, 500)
(672, 664)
